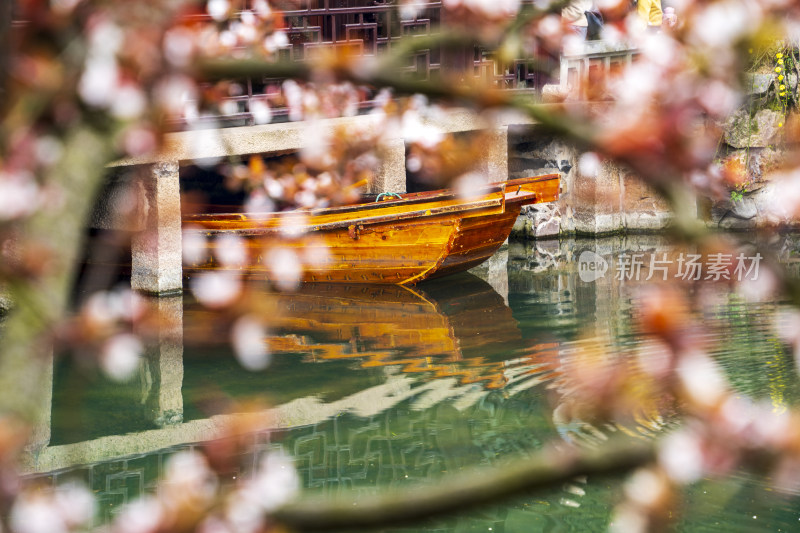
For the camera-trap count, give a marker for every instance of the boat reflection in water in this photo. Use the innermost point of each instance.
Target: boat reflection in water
(372, 386)
(461, 328)
(458, 328)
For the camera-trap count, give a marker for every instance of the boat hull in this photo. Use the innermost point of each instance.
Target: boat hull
(401, 242)
(476, 241)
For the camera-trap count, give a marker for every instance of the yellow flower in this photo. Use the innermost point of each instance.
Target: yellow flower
(780, 61)
(783, 94)
(780, 78)
(780, 124)
(782, 87)
(778, 69)
(779, 55)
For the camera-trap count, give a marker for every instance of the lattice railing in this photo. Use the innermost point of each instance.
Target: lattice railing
(368, 27)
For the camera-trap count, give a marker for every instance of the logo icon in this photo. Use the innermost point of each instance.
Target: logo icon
(591, 266)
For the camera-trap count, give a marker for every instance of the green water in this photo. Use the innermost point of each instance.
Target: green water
(396, 388)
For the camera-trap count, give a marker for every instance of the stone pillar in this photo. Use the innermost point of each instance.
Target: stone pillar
(392, 173)
(162, 376)
(156, 263)
(40, 434)
(497, 155)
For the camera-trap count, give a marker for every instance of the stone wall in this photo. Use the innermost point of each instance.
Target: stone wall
(612, 201)
(617, 201)
(755, 144)
(752, 167)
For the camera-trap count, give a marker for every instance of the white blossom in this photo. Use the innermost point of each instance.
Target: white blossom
(262, 113)
(410, 9)
(414, 130)
(293, 226)
(98, 83)
(204, 144)
(218, 9)
(128, 102)
(230, 250)
(276, 482)
(701, 378)
(195, 246)
(645, 488)
(259, 203)
(76, 504)
(189, 473)
(722, 24)
(216, 289)
(469, 185)
(262, 9)
(35, 513)
(19, 195)
(121, 356)
(285, 268)
(249, 338)
(681, 456)
(173, 92)
(140, 516)
(589, 165)
(179, 46)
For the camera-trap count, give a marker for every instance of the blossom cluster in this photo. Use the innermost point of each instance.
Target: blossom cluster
(670, 388)
(193, 496)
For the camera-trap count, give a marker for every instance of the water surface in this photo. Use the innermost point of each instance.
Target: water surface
(380, 387)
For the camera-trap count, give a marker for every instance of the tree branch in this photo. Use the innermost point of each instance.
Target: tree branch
(38, 303)
(464, 491)
(386, 76)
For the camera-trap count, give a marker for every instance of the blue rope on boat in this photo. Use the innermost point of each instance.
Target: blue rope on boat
(388, 195)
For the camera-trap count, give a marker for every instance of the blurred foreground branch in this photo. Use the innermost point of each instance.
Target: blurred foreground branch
(465, 490)
(54, 237)
(385, 75)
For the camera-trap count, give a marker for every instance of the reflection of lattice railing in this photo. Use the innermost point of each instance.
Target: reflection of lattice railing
(368, 28)
(349, 454)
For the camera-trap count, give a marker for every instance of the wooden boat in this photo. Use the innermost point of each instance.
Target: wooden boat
(398, 241)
